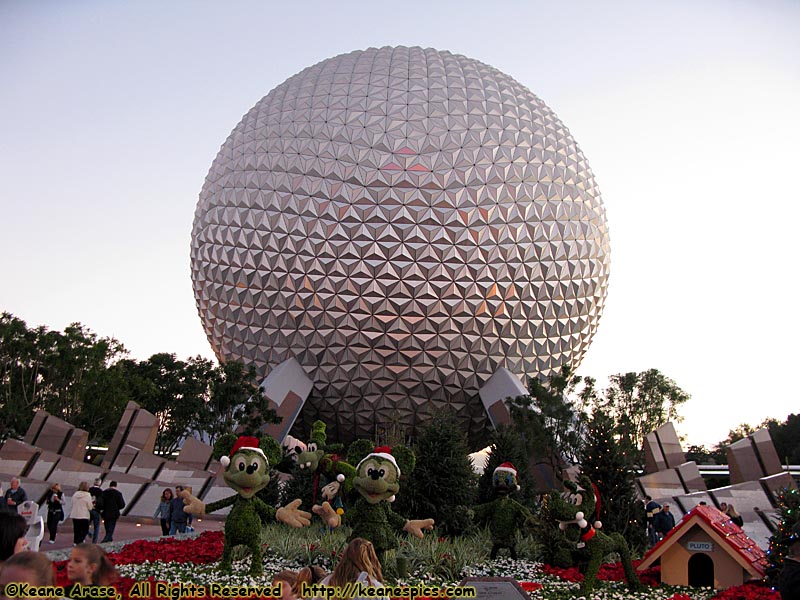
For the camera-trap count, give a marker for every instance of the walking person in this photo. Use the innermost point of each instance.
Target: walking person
(55, 511)
(178, 517)
(113, 503)
(94, 517)
(189, 516)
(164, 510)
(80, 513)
(652, 508)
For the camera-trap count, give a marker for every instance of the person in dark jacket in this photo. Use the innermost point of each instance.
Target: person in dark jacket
(663, 521)
(113, 503)
(789, 579)
(14, 496)
(651, 508)
(94, 516)
(734, 515)
(55, 511)
(178, 516)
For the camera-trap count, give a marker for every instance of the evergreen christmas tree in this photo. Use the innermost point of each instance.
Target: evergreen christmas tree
(789, 512)
(443, 484)
(271, 494)
(300, 485)
(605, 462)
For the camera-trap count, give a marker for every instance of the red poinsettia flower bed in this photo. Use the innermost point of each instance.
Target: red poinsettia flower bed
(205, 548)
(530, 586)
(608, 572)
(749, 591)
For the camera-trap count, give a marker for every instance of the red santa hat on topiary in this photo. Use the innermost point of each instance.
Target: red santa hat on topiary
(506, 467)
(246, 442)
(384, 452)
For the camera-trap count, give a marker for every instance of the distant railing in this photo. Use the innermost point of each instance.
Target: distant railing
(723, 471)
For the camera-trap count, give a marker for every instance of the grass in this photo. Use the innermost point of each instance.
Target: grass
(433, 556)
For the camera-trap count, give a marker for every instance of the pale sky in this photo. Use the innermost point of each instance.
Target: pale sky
(111, 114)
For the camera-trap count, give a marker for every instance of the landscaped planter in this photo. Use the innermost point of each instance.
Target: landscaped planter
(194, 561)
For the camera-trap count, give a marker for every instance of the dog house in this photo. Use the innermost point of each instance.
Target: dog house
(707, 549)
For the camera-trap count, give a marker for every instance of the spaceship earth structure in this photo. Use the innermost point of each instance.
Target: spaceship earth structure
(403, 222)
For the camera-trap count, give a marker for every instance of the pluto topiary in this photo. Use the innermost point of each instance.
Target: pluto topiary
(571, 509)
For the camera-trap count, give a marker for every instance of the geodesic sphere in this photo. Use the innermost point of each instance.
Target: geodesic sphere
(402, 221)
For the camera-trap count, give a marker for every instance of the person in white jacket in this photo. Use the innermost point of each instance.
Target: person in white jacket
(81, 512)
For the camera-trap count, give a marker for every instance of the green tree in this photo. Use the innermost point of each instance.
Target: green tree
(743, 430)
(103, 404)
(62, 373)
(786, 437)
(549, 422)
(788, 524)
(640, 403)
(177, 392)
(236, 402)
(701, 455)
(739, 433)
(20, 364)
(607, 464)
(75, 359)
(443, 485)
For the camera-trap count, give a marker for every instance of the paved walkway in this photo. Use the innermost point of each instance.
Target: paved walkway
(127, 530)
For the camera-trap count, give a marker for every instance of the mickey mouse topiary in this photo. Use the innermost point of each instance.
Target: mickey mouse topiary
(503, 514)
(246, 472)
(376, 481)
